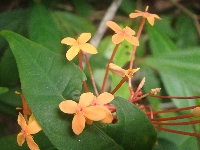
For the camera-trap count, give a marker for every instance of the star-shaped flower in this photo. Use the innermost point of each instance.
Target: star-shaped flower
(121, 34)
(122, 72)
(101, 100)
(79, 44)
(82, 110)
(27, 129)
(150, 17)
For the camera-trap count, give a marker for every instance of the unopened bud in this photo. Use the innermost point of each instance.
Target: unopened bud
(155, 91)
(196, 112)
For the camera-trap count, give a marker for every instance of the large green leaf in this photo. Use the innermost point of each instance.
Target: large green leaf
(43, 29)
(179, 72)
(159, 42)
(47, 79)
(71, 25)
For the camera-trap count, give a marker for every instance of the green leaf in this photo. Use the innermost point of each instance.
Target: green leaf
(3, 90)
(186, 31)
(47, 79)
(179, 72)
(71, 25)
(9, 101)
(43, 29)
(159, 42)
(10, 142)
(9, 75)
(12, 20)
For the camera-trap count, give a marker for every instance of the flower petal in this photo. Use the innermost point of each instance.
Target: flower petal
(109, 116)
(78, 123)
(130, 31)
(88, 48)
(72, 52)
(68, 41)
(86, 99)
(104, 98)
(150, 20)
(155, 16)
(21, 121)
(134, 15)
(68, 106)
(20, 139)
(31, 143)
(84, 37)
(116, 70)
(131, 39)
(117, 38)
(113, 26)
(33, 126)
(94, 113)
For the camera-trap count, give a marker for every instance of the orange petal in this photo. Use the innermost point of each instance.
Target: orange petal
(68, 106)
(21, 121)
(104, 98)
(72, 52)
(94, 113)
(20, 139)
(150, 20)
(128, 30)
(131, 39)
(88, 121)
(31, 143)
(68, 41)
(117, 38)
(78, 123)
(134, 15)
(113, 26)
(109, 116)
(86, 99)
(155, 16)
(88, 48)
(84, 37)
(116, 70)
(33, 126)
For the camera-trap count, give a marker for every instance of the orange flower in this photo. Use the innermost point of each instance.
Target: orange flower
(150, 17)
(82, 110)
(32, 128)
(101, 100)
(121, 34)
(79, 44)
(121, 72)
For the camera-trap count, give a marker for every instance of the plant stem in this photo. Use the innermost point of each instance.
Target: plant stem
(119, 85)
(176, 97)
(178, 132)
(173, 118)
(107, 68)
(91, 75)
(81, 67)
(177, 123)
(175, 110)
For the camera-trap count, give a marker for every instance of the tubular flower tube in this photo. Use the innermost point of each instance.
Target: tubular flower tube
(26, 110)
(121, 34)
(82, 111)
(101, 100)
(79, 44)
(27, 129)
(122, 72)
(150, 17)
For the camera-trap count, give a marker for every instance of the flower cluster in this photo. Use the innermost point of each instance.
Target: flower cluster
(89, 107)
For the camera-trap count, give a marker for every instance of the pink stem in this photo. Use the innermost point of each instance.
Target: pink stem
(107, 69)
(91, 75)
